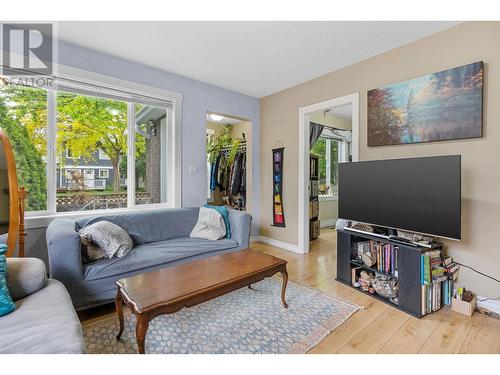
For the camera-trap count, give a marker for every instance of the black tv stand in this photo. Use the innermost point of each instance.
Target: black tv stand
(399, 239)
(408, 267)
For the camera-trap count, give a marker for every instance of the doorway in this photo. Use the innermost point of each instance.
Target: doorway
(330, 131)
(229, 162)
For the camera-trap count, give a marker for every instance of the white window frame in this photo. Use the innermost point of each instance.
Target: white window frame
(342, 157)
(106, 84)
(101, 175)
(328, 166)
(89, 174)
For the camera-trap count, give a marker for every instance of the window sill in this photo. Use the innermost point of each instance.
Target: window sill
(328, 198)
(42, 220)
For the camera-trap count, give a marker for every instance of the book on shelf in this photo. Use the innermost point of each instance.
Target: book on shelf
(386, 256)
(438, 275)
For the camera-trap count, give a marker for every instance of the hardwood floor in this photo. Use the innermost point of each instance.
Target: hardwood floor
(377, 328)
(380, 328)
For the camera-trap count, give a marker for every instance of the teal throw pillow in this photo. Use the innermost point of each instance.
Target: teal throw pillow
(225, 214)
(6, 304)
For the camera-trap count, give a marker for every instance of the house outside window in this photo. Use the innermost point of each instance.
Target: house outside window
(81, 150)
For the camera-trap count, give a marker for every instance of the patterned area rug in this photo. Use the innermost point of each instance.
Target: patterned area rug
(244, 321)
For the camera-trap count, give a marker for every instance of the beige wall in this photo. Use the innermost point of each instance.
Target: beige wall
(460, 45)
(328, 210)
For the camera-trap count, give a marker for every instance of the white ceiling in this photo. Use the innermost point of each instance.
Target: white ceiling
(253, 58)
(343, 111)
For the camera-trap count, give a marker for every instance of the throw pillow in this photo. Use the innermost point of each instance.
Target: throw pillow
(90, 251)
(6, 303)
(210, 225)
(225, 214)
(111, 238)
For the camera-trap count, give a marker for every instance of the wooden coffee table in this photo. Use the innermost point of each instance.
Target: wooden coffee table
(168, 290)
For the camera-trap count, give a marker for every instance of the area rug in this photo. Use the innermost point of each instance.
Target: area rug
(245, 321)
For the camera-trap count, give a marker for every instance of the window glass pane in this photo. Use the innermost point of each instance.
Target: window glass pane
(327, 186)
(334, 157)
(319, 149)
(23, 117)
(150, 154)
(91, 151)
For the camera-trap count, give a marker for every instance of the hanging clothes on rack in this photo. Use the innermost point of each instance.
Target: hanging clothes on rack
(214, 173)
(223, 173)
(243, 187)
(237, 174)
(230, 177)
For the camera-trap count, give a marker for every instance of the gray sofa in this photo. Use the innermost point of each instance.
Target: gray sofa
(44, 320)
(161, 239)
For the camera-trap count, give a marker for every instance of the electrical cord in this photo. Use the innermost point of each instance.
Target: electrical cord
(482, 274)
(479, 272)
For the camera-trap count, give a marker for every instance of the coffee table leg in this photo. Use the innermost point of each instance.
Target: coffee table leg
(119, 311)
(283, 287)
(140, 331)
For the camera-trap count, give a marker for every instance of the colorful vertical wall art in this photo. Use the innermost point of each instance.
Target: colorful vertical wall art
(278, 214)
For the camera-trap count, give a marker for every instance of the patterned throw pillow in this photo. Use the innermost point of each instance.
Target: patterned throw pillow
(6, 304)
(109, 237)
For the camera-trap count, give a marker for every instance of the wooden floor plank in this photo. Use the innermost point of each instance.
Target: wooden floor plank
(377, 333)
(413, 335)
(483, 336)
(449, 335)
(371, 310)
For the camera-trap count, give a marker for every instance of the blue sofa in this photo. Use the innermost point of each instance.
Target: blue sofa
(161, 239)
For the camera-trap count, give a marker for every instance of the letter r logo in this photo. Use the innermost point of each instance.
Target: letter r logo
(27, 49)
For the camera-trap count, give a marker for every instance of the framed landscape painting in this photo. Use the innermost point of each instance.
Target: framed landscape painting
(437, 107)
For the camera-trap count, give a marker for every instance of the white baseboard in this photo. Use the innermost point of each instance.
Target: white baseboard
(276, 243)
(328, 223)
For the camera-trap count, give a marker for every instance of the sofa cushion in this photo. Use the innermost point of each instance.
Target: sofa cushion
(153, 254)
(26, 276)
(150, 226)
(44, 322)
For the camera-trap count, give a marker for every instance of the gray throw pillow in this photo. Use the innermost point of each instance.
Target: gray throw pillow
(111, 238)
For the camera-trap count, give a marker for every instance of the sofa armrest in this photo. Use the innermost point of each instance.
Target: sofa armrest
(25, 276)
(64, 248)
(240, 222)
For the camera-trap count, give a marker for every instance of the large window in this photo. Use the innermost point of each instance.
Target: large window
(328, 151)
(79, 150)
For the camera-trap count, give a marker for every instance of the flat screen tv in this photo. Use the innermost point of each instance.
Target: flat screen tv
(417, 195)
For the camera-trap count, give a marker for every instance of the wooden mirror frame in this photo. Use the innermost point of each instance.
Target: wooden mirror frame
(14, 203)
